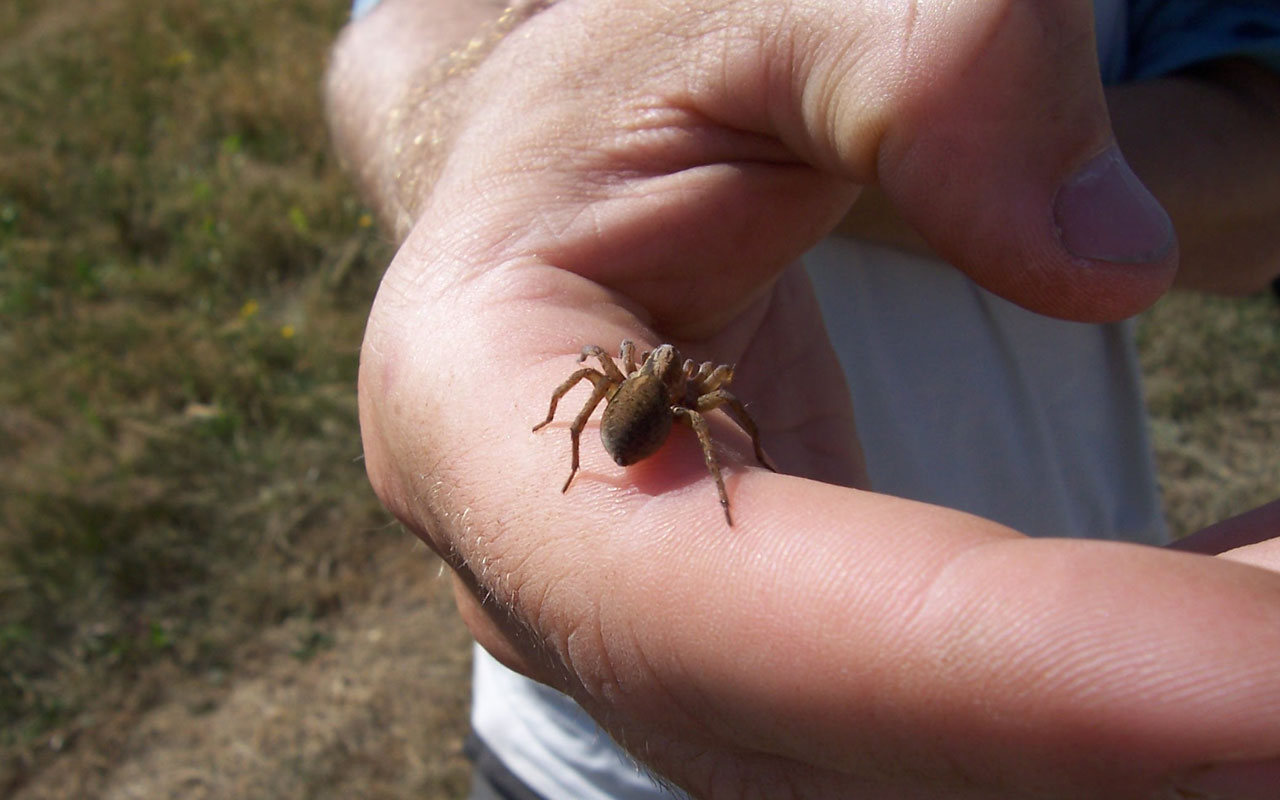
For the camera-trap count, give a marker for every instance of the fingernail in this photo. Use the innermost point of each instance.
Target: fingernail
(1104, 213)
(1255, 780)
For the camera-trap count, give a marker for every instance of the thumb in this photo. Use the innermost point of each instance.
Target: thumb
(1007, 166)
(705, 146)
(986, 123)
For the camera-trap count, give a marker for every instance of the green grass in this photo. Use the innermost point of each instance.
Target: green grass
(184, 277)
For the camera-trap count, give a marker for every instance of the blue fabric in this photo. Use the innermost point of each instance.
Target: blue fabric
(361, 7)
(1169, 35)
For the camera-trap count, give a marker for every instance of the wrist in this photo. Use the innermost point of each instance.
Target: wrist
(397, 89)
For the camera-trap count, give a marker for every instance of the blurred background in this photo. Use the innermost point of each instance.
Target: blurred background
(199, 595)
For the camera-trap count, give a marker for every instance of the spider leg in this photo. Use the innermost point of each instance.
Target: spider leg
(562, 390)
(723, 397)
(606, 362)
(701, 373)
(699, 425)
(711, 378)
(602, 385)
(628, 356)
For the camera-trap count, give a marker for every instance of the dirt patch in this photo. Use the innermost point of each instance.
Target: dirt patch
(378, 710)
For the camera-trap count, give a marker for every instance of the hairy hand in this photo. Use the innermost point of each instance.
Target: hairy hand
(649, 170)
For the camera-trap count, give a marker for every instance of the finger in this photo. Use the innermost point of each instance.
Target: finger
(1250, 538)
(831, 640)
(1008, 167)
(679, 130)
(1251, 527)
(844, 643)
(987, 125)
(1265, 554)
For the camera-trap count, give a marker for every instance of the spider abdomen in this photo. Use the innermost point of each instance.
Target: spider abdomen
(637, 420)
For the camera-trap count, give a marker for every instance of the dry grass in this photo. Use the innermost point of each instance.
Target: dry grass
(1213, 386)
(186, 536)
(199, 596)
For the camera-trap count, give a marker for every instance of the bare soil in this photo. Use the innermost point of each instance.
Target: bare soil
(378, 712)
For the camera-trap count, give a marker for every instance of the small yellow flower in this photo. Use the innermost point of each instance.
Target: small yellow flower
(365, 220)
(249, 309)
(298, 219)
(287, 331)
(180, 58)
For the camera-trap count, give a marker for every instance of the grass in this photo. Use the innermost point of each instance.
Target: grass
(1212, 370)
(184, 276)
(198, 593)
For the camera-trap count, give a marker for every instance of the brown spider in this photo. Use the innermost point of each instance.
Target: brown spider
(642, 404)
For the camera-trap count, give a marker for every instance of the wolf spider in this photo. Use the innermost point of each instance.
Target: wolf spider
(644, 402)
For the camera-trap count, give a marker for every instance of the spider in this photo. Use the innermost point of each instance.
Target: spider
(643, 402)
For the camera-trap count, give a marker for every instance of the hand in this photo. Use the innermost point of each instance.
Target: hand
(646, 171)
(1249, 538)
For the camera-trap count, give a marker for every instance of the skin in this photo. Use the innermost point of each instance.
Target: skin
(639, 170)
(1195, 139)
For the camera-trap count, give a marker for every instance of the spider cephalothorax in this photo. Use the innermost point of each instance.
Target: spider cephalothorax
(643, 402)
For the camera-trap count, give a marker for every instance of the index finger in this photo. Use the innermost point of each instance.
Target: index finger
(829, 628)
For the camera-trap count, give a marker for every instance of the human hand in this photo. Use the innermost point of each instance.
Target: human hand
(1249, 538)
(630, 170)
